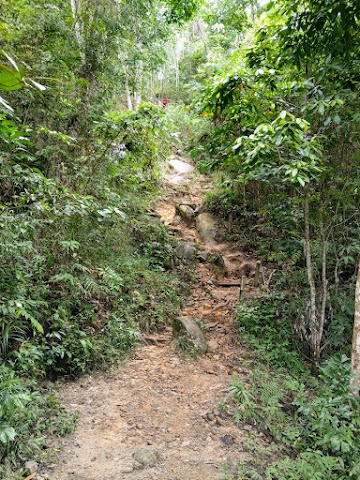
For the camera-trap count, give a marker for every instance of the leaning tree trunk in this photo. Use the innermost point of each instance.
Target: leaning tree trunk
(355, 353)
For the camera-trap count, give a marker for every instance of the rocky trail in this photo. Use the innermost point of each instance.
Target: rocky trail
(158, 416)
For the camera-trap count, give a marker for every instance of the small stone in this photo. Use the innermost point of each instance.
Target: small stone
(147, 456)
(248, 428)
(210, 417)
(217, 261)
(203, 257)
(219, 422)
(186, 251)
(176, 221)
(186, 212)
(127, 469)
(213, 345)
(31, 466)
(186, 443)
(227, 440)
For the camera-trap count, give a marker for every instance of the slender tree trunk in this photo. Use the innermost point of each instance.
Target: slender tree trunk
(324, 285)
(355, 352)
(252, 9)
(139, 78)
(313, 323)
(78, 26)
(177, 72)
(128, 95)
(137, 100)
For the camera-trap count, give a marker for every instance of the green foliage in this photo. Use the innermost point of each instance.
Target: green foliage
(329, 28)
(81, 274)
(316, 431)
(134, 145)
(273, 136)
(27, 417)
(185, 126)
(265, 325)
(186, 346)
(12, 78)
(180, 11)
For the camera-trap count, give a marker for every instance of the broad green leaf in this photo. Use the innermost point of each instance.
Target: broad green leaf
(36, 325)
(301, 181)
(9, 80)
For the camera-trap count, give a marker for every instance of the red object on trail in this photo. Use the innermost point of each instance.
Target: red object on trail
(164, 102)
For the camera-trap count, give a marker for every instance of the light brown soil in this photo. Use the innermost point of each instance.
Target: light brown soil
(162, 397)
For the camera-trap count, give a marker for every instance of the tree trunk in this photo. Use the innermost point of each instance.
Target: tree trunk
(78, 26)
(313, 321)
(324, 284)
(355, 352)
(137, 100)
(128, 95)
(139, 82)
(257, 274)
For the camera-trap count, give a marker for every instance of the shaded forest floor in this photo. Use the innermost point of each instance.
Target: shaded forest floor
(159, 415)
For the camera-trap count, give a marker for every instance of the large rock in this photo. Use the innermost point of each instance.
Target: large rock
(185, 201)
(180, 167)
(188, 327)
(147, 456)
(206, 225)
(217, 262)
(186, 212)
(186, 251)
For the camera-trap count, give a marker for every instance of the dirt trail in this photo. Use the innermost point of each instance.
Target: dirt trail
(162, 399)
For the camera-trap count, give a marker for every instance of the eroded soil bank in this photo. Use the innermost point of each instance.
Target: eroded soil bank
(159, 415)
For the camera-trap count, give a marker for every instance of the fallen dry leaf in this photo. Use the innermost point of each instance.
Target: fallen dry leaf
(29, 477)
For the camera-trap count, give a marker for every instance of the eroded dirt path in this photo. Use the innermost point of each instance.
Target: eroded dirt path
(162, 401)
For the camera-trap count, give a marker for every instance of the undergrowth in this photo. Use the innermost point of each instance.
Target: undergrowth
(304, 426)
(83, 269)
(266, 326)
(30, 416)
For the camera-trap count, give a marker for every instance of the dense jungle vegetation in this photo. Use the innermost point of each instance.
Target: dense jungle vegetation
(265, 97)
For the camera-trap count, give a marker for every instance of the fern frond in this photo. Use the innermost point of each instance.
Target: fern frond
(112, 279)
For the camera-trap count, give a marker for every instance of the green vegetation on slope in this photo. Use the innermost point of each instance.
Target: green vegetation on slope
(269, 99)
(83, 267)
(277, 86)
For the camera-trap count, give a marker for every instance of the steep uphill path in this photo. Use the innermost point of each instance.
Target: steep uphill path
(158, 416)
